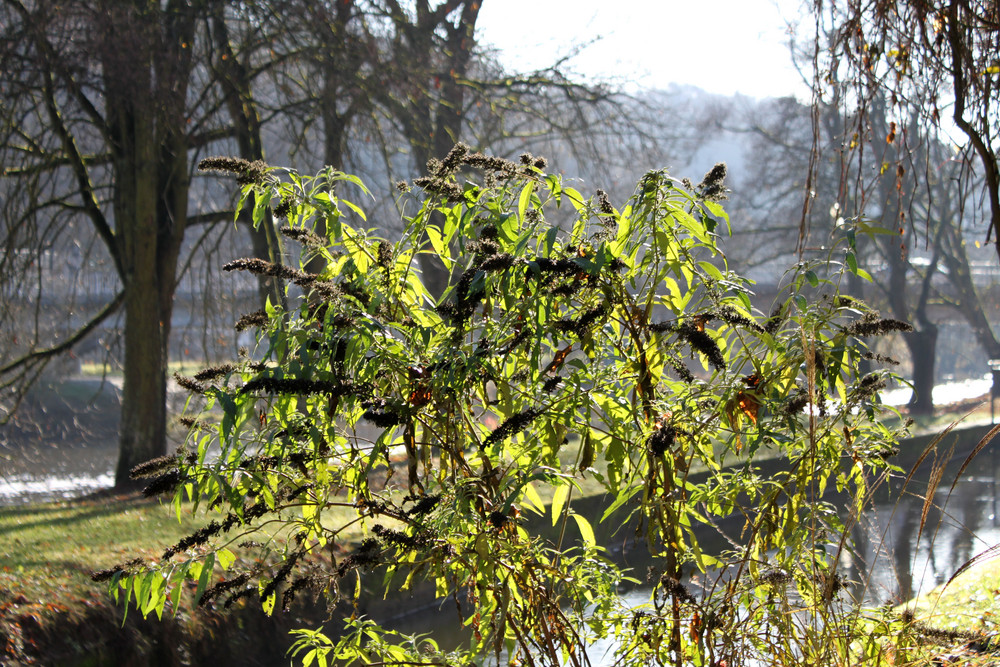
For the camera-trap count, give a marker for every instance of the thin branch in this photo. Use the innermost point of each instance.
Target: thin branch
(81, 333)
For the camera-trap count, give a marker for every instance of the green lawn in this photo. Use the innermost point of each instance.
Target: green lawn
(50, 550)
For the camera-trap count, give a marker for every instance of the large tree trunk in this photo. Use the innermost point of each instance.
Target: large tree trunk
(144, 395)
(149, 287)
(922, 344)
(145, 57)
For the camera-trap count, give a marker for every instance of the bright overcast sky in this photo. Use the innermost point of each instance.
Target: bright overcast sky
(721, 46)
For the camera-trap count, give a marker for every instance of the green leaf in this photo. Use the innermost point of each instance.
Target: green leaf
(204, 575)
(437, 240)
(354, 207)
(586, 531)
(711, 269)
(524, 200)
(575, 198)
(533, 500)
(226, 558)
(623, 497)
(558, 500)
(267, 604)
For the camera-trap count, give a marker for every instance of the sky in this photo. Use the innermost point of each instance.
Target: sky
(721, 46)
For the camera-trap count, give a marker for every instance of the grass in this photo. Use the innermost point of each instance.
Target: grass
(970, 603)
(50, 550)
(184, 367)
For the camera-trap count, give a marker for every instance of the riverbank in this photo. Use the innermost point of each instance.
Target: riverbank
(51, 613)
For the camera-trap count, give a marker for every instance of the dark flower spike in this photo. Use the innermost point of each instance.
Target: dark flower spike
(604, 204)
(712, 187)
(873, 325)
(258, 318)
(453, 160)
(734, 317)
(284, 208)
(224, 586)
(165, 483)
(881, 358)
(153, 467)
(870, 385)
(702, 342)
(260, 267)
(128, 567)
(661, 440)
(190, 384)
(441, 187)
(503, 169)
(511, 426)
(246, 172)
(299, 386)
(306, 237)
(552, 384)
(213, 372)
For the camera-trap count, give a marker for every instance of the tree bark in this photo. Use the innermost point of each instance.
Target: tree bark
(145, 56)
(235, 80)
(922, 345)
(966, 296)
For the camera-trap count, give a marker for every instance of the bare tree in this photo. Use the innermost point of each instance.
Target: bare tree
(104, 104)
(938, 59)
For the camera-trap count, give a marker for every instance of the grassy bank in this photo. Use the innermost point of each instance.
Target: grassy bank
(46, 594)
(49, 605)
(52, 613)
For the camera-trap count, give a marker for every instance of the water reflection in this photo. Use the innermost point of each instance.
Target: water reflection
(901, 552)
(46, 471)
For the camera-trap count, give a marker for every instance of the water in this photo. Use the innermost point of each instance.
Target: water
(59, 472)
(48, 471)
(903, 560)
(945, 393)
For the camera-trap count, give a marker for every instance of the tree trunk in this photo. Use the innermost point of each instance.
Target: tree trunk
(235, 80)
(967, 297)
(144, 395)
(922, 345)
(150, 163)
(149, 288)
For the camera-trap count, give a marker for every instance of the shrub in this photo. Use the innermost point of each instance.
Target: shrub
(619, 353)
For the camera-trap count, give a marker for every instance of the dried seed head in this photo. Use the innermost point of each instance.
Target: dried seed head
(703, 343)
(306, 237)
(383, 254)
(872, 325)
(604, 204)
(153, 467)
(511, 426)
(213, 372)
(453, 160)
(246, 172)
(713, 187)
(730, 315)
(661, 440)
(190, 384)
(258, 318)
(284, 208)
